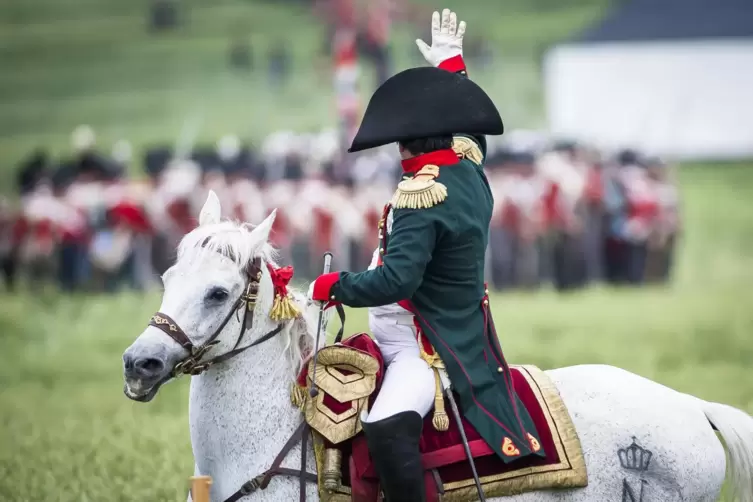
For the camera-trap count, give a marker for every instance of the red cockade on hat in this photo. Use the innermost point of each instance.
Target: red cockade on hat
(283, 307)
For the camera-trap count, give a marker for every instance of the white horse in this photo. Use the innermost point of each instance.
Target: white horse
(240, 414)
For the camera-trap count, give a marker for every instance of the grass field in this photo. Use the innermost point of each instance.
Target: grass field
(69, 434)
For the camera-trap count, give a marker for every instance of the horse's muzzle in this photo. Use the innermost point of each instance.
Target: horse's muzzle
(140, 393)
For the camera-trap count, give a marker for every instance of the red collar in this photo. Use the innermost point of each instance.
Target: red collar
(437, 158)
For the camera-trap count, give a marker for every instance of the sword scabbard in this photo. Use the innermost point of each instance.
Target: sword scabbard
(325, 270)
(464, 438)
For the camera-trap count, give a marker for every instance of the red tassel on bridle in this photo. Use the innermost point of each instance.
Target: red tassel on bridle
(283, 307)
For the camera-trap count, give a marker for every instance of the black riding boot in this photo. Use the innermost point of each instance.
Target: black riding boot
(393, 445)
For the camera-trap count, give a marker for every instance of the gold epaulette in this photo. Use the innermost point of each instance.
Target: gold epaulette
(467, 149)
(420, 192)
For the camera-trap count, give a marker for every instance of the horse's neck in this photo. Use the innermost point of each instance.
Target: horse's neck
(241, 417)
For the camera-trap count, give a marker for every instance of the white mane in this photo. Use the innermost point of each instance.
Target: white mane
(233, 239)
(242, 242)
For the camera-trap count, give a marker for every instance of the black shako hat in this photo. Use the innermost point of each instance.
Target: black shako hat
(422, 103)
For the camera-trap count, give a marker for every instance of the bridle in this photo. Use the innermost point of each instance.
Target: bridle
(193, 364)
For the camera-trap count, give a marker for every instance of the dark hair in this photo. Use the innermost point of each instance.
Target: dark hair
(426, 145)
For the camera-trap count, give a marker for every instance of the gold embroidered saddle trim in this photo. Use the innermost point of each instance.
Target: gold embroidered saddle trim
(346, 375)
(569, 472)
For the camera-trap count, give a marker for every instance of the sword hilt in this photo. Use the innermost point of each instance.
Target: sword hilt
(325, 270)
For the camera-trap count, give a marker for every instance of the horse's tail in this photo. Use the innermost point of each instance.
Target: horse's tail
(736, 428)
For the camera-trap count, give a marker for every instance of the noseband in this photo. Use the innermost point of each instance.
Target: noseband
(192, 364)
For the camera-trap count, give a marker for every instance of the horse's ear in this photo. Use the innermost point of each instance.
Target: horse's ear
(261, 232)
(211, 212)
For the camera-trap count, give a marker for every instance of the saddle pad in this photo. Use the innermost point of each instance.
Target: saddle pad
(449, 477)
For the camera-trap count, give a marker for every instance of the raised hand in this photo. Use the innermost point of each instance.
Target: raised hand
(446, 38)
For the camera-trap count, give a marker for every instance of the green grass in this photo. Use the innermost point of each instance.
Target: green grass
(68, 62)
(69, 434)
(66, 431)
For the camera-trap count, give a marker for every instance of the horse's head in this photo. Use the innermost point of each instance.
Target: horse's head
(218, 291)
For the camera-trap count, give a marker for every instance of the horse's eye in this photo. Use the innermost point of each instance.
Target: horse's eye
(217, 295)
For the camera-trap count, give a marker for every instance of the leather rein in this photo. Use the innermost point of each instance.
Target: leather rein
(193, 364)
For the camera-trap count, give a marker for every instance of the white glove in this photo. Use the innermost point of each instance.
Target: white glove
(446, 38)
(310, 297)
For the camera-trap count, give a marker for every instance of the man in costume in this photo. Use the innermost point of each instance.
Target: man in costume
(428, 306)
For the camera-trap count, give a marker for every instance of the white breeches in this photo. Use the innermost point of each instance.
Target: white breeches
(408, 383)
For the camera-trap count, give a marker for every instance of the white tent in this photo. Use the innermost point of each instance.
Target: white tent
(673, 77)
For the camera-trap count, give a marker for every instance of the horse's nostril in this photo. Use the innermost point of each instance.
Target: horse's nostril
(127, 362)
(149, 366)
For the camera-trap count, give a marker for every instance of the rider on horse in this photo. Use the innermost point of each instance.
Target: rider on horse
(428, 304)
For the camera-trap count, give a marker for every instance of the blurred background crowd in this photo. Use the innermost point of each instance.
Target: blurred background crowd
(104, 207)
(565, 214)
(117, 117)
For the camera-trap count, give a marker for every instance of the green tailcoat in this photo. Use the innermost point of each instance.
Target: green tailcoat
(433, 263)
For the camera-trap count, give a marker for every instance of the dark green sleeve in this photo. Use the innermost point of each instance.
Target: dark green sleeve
(409, 250)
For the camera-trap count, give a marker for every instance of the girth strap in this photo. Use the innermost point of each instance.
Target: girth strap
(262, 481)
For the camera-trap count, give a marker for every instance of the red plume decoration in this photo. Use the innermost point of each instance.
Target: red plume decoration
(283, 308)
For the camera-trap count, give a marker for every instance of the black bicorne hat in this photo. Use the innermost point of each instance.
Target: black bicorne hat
(423, 103)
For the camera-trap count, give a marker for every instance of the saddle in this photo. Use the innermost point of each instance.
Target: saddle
(349, 376)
